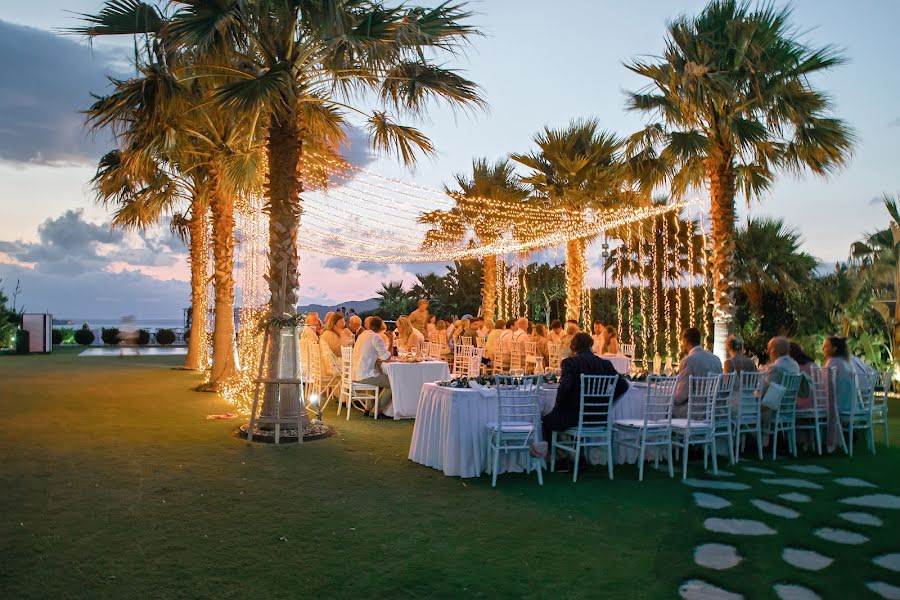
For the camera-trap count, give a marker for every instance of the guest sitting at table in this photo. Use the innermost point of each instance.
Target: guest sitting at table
(556, 332)
(737, 362)
(387, 337)
(354, 325)
(492, 345)
(539, 337)
(330, 348)
(565, 341)
(780, 364)
(309, 338)
(697, 362)
(368, 355)
(482, 327)
(841, 384)
(610, 340)
(409, 339)
(520, 335)
(597, 336)
(806, 363)
(568, 396)
(440, 338)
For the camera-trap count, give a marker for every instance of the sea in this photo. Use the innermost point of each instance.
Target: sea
(149, 324)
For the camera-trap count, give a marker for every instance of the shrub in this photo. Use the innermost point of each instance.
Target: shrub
(57, 337)
(110, 336)
(165, 337)
(143, 337)
(84, 336)
(63, 335)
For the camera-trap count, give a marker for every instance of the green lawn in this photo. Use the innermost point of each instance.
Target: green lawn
(116, 486)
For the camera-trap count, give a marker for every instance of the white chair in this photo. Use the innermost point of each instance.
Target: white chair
(465, 340)
(722, 415)
(501, 358)
(480, 341)
(859, 417)
(517, 423)
(434, 350)
(352, 391)
(627, 350)
(655, 429)
(553, 356)
(464, 359)
(880, 405)
(784, 419)
(697, 428)
(516, 358)
(745, 416)
(815, 418)
(594, 428)
(319, 391)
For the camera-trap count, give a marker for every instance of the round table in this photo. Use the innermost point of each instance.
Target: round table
(450, 430)
(407, 380)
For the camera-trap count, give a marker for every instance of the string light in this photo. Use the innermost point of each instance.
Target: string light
(629, 243)
(617, 276)
(677, 280)
(655, 259)
(707, 337)
(666, 304)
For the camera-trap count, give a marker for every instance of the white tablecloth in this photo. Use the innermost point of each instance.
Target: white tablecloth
(407, 380)
(450, 431)
(621, 362)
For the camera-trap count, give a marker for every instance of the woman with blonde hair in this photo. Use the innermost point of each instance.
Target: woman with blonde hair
(540, 339)
(441, 338)
(330, 343)
(409, 339)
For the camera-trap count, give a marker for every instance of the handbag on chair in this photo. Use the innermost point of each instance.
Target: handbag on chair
(772, 399)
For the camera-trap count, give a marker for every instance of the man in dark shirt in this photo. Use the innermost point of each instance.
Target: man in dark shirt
(568, 397)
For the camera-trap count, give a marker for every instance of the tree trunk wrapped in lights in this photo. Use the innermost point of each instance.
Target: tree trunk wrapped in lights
(574, 278)
(489, 287)
(198, 228)
(222, 208)
(722, 210)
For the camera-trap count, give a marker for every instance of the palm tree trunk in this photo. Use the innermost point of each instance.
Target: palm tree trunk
(574, 278)
(222, 207)
(721, 191)
(197, 229)
(284, 148)
(489, 288)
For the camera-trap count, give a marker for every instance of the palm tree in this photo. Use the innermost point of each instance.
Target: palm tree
(295, 67)
(575, 170)
(735, 103)
(483, 202)
(879, 254)
(393, 300)
(768, 259)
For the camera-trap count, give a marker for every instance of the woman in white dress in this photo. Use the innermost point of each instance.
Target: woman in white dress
(330, 343)
(842, 387)
(409, 339)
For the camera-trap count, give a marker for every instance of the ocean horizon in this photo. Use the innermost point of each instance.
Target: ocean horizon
(94, 323)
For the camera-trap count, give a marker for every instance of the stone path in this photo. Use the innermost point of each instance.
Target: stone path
(710, 501)
(854, 482)
(807, 560)
(790, 591)
(795, 497)
(775, 509)
(891, 562)
(715, 485)
(701, 590)
(808, 469)
(861, 518)
(738, 526)
(874, 501)
(796, 483)
(885, 590)
(840, 536)
(717, 556)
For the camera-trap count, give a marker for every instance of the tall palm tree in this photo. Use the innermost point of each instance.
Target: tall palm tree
(734, 103)
(165, 116)
(575, 170)
(879, 254)
(393, 300)
(296, 69)
(768, 259)
(483, 200)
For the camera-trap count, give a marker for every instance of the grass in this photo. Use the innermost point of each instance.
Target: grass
(116, 486)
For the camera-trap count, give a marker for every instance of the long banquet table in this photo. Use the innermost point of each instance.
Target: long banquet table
(407, 380)
(450, 430)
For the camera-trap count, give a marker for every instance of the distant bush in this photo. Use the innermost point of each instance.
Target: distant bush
(57, 337)
(63, 335)
(165, 337)
(110, 335)
(143, 337)
(84, 336)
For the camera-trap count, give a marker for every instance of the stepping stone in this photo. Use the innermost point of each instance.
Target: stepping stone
(709, 501)
(805, 559)
(722, 473)
(738, 526)
(717, 556)
(712, 484)
(775, 509)
(885, 590)
(807, 469)
(758, 470)
(890, 562)
(795, 497)
(840, 536)
(861, 518)
(854, 482)
(797, 483)
(789, 591)
(701, 590)
(874, 501)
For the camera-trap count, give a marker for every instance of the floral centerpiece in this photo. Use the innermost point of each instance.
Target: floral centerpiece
(463, 382)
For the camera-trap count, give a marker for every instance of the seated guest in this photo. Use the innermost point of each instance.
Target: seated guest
(539, 337)
(837, 358)
(441, 338)
(697, 362)
(520, 335)
(482, 327)
(309, 338)
(313, 320)
(556, 332)
(330, 348)
(610, 340)
(737, 362)
(492, 345)
(780, 364)
(354, 325)
(597, 335)
(568, 396)
(368, 355)
(572, 322)
(387, 337)
(409, 339)
(565, 342)
(806, 363)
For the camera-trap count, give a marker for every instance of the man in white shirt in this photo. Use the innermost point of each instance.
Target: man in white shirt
(697, 363)
(368, 354)
(598, 338)
(481, 327)
(520, 336)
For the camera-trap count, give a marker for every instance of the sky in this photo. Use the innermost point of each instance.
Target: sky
(539, 64)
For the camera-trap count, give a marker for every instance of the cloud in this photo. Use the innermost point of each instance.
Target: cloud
(895, 123)
(45, 80)
(357, 150)
(343, 265)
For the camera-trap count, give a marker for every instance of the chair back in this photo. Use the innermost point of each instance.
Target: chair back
(882, 390)
(865, 392)
(787, 409)
(722, 406)
(702, 395)
(462, 361)
(434, 350)
(750, 395)
(480, 341)
(530, 348)
(819, 387)
(517, 401)
(553, 356)
(346, 370)
(465, 340)
(595, 403)
(315, 359)
(516, 358)
(627, 350)
(660, 397)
